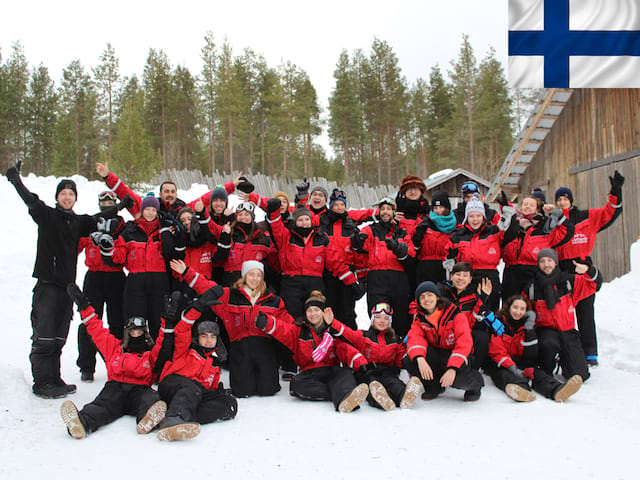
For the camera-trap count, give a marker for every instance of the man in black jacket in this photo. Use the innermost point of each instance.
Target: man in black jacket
(59, 231)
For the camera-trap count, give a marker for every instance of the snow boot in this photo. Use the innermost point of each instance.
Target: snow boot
(153, 417)
(381, 396)
(570, 387)
(86, 377)
(354, 399)
(472, 395)
(592, 360)
(69, 387)
(69, 414)
(431, 394)
(174, 428)
(412, 390)
(49, 390)
(518, 393)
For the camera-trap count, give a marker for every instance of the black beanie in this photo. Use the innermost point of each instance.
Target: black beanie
(441, 199)
(219, 193)
(539, 194)
(66, 183)
(564, 192)
(245, 185)
(427, 287)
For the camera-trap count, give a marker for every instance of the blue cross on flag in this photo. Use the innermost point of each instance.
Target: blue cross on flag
(574, 43)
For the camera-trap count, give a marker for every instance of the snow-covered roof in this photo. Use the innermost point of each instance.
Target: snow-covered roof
(438, 178)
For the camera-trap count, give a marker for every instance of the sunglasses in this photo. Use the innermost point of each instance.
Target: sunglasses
(107, 195)
(246, 206)
(136, 322)
(382, 308)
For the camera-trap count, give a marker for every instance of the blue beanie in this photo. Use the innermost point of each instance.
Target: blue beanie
(564, 192)
(150, 201)
(219, 193)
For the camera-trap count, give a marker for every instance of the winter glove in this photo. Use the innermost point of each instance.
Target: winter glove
(505, 220)
(273, 205)
(126, 202)
(78, 296)
(302, 189)
(357, 240)
(106, 243)
(245, 186)
(448, 266)
(399, 249)
(220, 353)
(208, 298)
(366, 373)
(95, 238)
(616, 184)
(519, 374)
(529, 320)
(358, 290)
(323, 348)
(260, 321)
(13, 173)
(502, 199)
(493, 323)
(171, 310)
(555, 218)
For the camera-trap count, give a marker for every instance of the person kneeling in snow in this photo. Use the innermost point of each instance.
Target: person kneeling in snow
(384, 350)
(190, 382)
(515, 354)
(130, 375)
(319, 357)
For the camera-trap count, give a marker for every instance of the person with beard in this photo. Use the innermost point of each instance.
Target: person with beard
(469, 190)
(59, 233)
(411, 206)
(319, 357)
(535, 232)
(102, 284)
(480, 244)
(554, 295)
(129, 363)
(244, 242)
(438, 346)
(588, 223)
(190, 381)
(514, 357)
(431, 237)
(389, 252)
(142, 248)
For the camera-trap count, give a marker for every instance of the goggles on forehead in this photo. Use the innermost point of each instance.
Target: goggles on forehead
(469, 187)
(382, 308)
(247, 206)
(107, 195)
(136, 322)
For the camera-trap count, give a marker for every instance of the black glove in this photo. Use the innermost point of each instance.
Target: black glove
(399, 249)
(13, 174)
(529, 320)
(126, 202)
(78, 296)
(302, 188)
(172, 308)
(221, 354)
(555, 218)
(95, 238)
(245, 185)
(273, 204)
(106, 243)
(358, 290)
(260, 321)
(357, 240)
(517, 373)
(367, 373)
(502, 199)
(616, 183)
(208, 298)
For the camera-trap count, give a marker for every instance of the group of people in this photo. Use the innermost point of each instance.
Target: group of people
(208, 287)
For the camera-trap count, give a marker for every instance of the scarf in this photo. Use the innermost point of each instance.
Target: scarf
(547, 283)
(148, 227)
(253, 295)
(444, 223)
(412, 208)
(137, 344)
(334, 217)
(527, 221)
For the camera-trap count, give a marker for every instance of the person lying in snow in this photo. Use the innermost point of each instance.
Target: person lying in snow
(129, 363)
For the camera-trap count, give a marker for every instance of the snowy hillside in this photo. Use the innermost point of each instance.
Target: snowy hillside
(593, 436)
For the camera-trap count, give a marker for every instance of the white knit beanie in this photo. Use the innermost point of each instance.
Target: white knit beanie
(250, 265)
(474, 205)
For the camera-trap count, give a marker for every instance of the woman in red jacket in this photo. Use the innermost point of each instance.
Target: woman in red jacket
(130, 364)
(253, 362)
(190, 381)
(319, 357)
(438, 346)
(514, 354)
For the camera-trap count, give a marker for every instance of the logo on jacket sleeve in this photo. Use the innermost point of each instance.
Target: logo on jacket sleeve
(451, 340)
(318, 259)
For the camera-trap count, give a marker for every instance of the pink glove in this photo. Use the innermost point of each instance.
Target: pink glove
(321, 350)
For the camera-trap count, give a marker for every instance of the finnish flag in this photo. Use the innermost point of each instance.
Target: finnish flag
(574, 43)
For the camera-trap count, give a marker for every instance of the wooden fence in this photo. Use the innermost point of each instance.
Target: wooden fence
(358, 196)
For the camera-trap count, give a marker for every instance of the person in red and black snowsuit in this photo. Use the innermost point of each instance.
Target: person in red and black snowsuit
(130, 363)
(438, 346)
(197, 243)
(469, 190)
(389, 252)
(102, 284)
(514, 357)
(587, 225)
(319, 357)
(59, 233)
(431, 237)
(190, 382)
(480, 244)
(384, 351)
(411, 206)
(253, 362)
(554, 295)
(535, 232)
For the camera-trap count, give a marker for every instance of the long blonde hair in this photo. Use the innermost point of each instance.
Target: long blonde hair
(261, 288)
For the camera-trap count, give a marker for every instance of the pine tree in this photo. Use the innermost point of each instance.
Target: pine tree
(439, 112)
(157, 92)
(208, 95)
(419, 118)
(14, 79)
(186, 107)
(42, 104)
(108, 85)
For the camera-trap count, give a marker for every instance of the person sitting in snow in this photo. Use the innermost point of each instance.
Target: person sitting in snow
(514, 357)
(129, 363)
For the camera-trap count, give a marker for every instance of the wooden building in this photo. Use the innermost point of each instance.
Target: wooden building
(451, 181)
(578, 138)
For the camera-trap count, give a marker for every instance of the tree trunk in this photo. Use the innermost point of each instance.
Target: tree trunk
(346, 150)
(471, 142)
(262, 165)
(164, 135)
(230, 142)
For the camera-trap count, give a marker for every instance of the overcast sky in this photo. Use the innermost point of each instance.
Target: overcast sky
(310, 34)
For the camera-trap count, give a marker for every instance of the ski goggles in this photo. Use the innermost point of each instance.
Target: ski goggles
(246, 206)
(107, 195)
(469, 187)
(136, 322)
(382, 308)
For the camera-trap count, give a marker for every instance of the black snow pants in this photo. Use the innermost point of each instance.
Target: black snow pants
(101, 288)
(430, 270)
(253, 367)
(324, 383)
(392, 287)
(389, 378)
(115, 400)
(515, 279)
(190, 401)
(341, 299)
(144, 296)
(481, 338)
(563, 348)
(543, 383)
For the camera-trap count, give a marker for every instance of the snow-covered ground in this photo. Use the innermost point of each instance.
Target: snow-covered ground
(593, 436)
